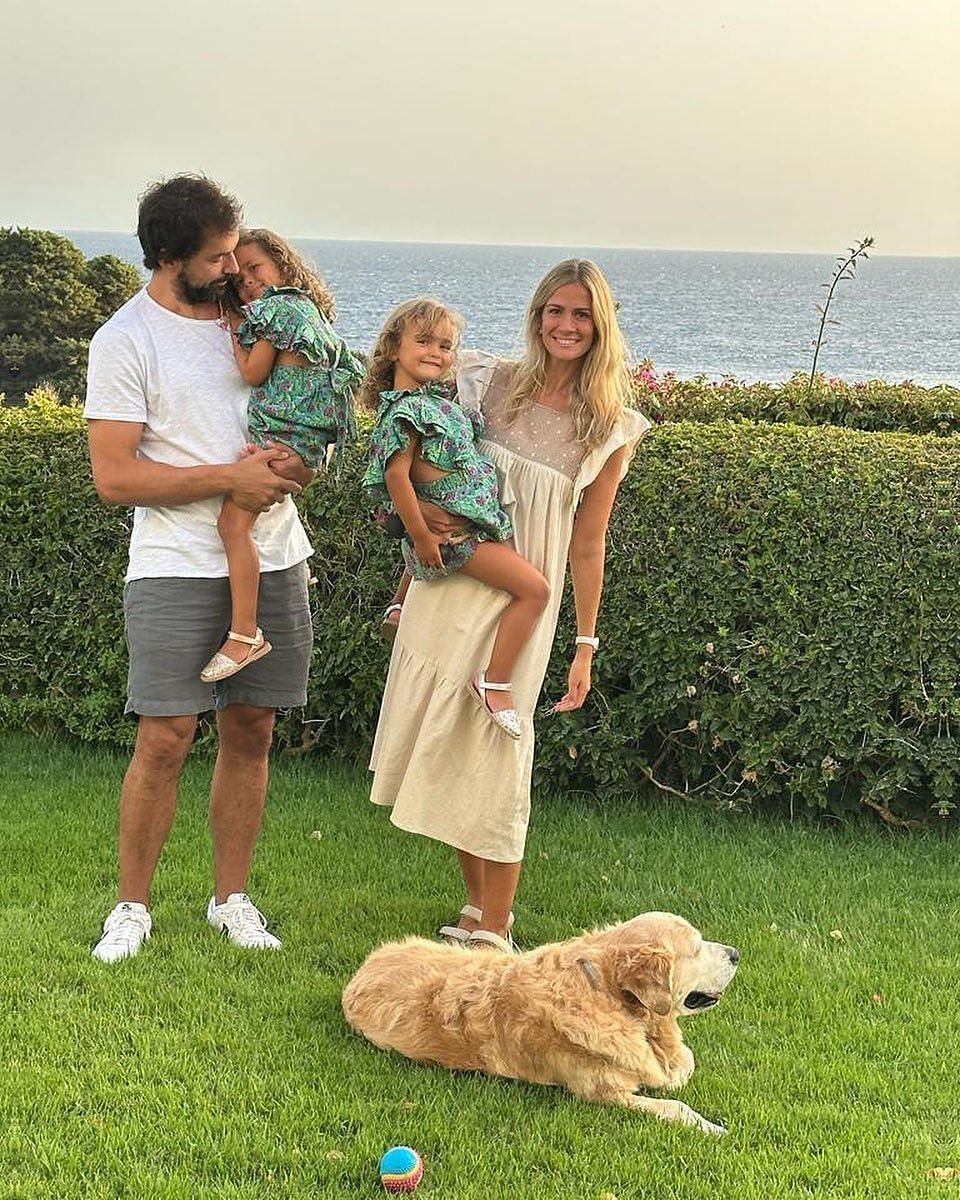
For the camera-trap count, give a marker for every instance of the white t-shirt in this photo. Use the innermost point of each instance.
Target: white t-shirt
(178, 378)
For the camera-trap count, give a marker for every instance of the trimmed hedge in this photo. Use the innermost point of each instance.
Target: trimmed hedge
(779, 622)
(875, 406)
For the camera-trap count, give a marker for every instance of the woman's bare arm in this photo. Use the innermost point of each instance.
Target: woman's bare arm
(588, 548)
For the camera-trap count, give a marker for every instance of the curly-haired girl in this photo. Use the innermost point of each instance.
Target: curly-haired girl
(303, 378)
(424, 448)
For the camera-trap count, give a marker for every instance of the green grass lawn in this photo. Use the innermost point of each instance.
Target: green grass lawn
(197, 1070)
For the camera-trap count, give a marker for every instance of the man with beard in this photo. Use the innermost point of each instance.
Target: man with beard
(166, 409)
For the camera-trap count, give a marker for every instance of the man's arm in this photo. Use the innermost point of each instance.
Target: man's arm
(121, 477)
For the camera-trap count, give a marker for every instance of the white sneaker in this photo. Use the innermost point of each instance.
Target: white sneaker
(239, 919)
(124, 932)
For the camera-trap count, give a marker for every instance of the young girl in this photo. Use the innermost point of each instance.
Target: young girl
(303, 377)
(424, 447)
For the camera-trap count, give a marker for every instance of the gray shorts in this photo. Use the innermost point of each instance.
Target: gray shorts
(175, 625)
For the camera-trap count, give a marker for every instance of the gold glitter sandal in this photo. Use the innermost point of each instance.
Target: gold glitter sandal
(222, 666)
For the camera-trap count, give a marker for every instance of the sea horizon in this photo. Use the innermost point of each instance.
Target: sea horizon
(750, 315)
(309, 237)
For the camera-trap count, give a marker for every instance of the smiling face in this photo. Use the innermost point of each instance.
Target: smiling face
(566, 325)
(423, 355)
(256, 271)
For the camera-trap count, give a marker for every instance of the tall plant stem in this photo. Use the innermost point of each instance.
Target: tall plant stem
(848, 264)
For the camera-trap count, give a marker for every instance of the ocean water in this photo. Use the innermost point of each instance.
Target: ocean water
(752, 316)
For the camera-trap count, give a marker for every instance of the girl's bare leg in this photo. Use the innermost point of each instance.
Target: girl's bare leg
(402, 588)
(472, 869)
(235, 527)
(393, 618)
(500, 566)
(491, 887)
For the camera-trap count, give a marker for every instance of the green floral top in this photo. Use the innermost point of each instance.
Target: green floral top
(309, 407)
(448, 440)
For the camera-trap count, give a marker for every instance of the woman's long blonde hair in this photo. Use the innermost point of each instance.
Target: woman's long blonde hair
(293, 270)
(599, 394)
(428, 313)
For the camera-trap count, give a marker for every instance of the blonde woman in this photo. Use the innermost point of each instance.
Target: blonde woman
(560, 435)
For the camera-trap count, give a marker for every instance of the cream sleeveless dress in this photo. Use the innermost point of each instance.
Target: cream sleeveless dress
(438, 759)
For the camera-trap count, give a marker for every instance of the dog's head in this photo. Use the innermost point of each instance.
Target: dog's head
(660, 963)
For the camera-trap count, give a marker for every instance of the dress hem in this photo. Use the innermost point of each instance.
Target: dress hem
(411, 828)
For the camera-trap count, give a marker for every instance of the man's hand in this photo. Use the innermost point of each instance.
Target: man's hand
(286, 462)
(256, 485)
(289, 465)
(445, 525)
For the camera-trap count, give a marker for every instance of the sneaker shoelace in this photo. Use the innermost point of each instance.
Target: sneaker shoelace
(244, 915)
(125, 925)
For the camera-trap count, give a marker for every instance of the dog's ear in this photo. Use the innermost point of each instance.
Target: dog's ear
(648, 977)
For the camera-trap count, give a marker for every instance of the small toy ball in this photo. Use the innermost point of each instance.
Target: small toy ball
(401, 1169)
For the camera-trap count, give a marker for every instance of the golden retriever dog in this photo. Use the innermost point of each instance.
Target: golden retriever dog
(596, 1014)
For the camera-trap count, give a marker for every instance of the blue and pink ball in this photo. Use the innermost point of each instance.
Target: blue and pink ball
(401, 1169)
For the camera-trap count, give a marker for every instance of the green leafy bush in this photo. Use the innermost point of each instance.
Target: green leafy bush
(778, 626)
(875, 406)
(780, 623)
(52, 299)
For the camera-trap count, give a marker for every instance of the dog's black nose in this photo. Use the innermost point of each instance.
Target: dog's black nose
(733, 954)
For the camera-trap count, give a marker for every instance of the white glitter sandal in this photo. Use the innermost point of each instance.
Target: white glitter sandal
(507, 718)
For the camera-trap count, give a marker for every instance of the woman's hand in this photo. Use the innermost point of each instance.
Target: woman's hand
(445, 525)
(578, 681)
(427, 547)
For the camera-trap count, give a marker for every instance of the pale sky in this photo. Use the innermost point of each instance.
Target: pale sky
(792, 125)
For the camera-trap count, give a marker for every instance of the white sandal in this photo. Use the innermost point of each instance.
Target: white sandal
(506, 718)
(456, 935)
(388, 628)
(222, 666)
(487, 939)
(453, 933)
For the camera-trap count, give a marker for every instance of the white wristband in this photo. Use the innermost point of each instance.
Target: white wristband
(583, 640)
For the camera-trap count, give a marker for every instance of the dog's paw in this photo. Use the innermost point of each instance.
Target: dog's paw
(676, 1110)
(709, 1127)
(692, 1117)
(681, 1072)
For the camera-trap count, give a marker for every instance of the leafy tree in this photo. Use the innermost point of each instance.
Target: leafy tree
(52, 299)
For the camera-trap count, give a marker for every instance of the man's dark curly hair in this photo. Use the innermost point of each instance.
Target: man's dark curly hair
(177, 215)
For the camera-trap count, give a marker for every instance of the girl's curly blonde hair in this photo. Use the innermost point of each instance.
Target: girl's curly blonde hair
(602, 388)
(293, 270)
(428, 313)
